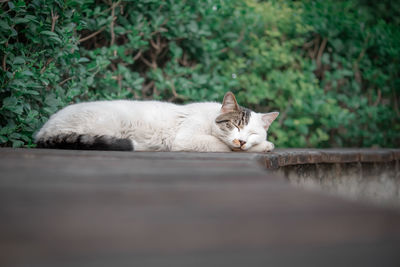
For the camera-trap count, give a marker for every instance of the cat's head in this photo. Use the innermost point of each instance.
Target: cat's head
(241, 128)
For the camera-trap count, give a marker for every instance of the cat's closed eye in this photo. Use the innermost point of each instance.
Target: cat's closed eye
(228, 125)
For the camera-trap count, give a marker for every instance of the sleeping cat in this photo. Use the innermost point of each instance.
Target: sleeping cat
(158, 126)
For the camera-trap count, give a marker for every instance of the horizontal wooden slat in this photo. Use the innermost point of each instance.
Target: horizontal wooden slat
(85, 208)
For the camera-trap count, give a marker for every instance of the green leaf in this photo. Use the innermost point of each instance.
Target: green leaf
(27, 73)
(90, 80)
(9, 102)
(11, 5)
(83, 59)
(15, 136)
(31, 92)
(6, 130)
(18, 60)
(17, 143)
(49, 33)
(50, 110)
(55, 39)
(25, 138)
(4, 25)
(21, 20)
(3, 139)
(52, 101)
(193, 26)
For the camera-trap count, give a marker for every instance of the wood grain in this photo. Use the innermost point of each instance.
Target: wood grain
(85, 208)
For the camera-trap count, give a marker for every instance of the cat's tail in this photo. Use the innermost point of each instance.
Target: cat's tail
(85, 142)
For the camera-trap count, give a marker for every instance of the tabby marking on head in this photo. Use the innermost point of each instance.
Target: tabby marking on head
(240, 127)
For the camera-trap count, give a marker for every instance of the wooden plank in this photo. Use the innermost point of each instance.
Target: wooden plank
(85, 208)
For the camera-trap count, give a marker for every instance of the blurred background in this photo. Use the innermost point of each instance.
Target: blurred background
(331, 68)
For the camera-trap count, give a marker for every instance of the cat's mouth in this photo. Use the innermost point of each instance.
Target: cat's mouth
(238, 145)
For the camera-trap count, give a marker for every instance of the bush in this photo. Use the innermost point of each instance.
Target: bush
(330, 67)
(358, 66)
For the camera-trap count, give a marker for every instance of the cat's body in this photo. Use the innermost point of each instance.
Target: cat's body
(157, 126)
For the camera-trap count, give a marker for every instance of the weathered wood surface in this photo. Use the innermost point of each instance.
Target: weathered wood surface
(285, 157)
(82, 208)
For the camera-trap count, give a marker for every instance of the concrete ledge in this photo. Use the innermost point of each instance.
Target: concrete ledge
(370, 175)
(286, 157)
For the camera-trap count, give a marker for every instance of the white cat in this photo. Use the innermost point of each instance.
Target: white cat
(158, 126)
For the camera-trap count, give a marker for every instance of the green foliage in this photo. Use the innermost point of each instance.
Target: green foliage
(330, 67)
(358, 68)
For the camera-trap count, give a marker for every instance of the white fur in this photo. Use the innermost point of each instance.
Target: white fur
(157, 126)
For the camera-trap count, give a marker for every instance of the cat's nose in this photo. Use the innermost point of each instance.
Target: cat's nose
(242, 142)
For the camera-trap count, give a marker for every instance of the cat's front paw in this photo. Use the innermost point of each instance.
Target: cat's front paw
(269, 146)
(262, 147)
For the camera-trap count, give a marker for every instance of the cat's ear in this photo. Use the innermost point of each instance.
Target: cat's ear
(268, 118)
(229, 104)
